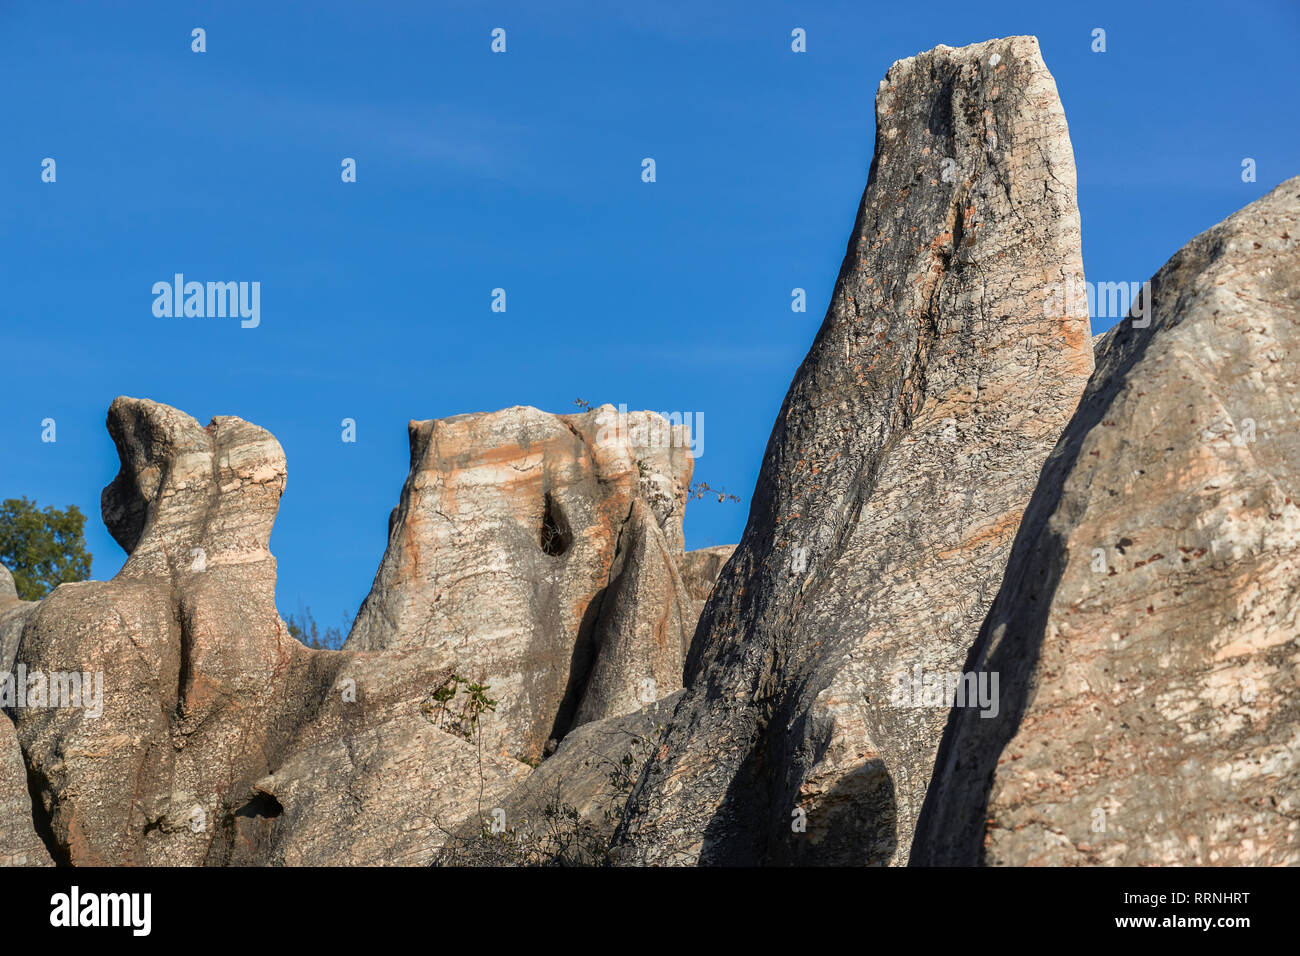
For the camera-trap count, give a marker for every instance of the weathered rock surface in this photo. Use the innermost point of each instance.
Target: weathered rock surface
(212, 713)
(186, 637)
(644, 626)
(1146, 632)
(376, 778)
(892, 485)
(1139, 615)
(566, 811)
(19, 843)
(700, 569)
(13, 614)
(518, 542)
(223, 740)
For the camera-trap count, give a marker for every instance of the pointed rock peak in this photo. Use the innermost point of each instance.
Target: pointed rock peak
(951, 356)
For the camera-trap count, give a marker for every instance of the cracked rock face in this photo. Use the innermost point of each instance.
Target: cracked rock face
(210, 709)
(186, 638)
(534, 550)
(220, 739)
(373, 778)
(13, 614)
(1146, 632)
(892, 484)
(19, 843)
(644, 627)
(568, 808)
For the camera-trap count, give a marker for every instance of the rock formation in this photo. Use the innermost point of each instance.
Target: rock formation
(566, 811)
(538, 551)
(196, 666)
(700, 570)
(13, 614)
(19, 843)
(378, 777)
(937, 515)
(1146, 632)
(892, 484)
(220, 739)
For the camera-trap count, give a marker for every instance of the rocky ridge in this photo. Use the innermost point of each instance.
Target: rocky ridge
(223, 740)
(954, 500)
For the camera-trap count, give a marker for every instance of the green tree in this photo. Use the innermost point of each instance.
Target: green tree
(43, 548)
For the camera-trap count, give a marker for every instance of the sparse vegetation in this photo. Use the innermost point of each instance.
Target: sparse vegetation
(303, 626)
(701, 488)
(462, 718)
(559, 835)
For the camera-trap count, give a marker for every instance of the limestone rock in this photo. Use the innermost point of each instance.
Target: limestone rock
(19, 843)
(206, 696)
(377, 777)
(700, 569)
(502, 554)
(1146, 632)
(222, 740)
(566, 811)
(893, 482)
(186, 639)
(13, 615)
(644, 627)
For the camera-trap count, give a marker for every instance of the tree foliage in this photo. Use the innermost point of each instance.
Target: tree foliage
(43, 548)
(303, 626)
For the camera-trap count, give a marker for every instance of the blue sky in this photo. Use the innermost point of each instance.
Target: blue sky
(522, 171)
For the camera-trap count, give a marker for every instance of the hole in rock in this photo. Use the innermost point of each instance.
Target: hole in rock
(555, 536)
(263, 806)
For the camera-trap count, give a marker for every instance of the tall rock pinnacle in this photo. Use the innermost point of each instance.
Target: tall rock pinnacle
(892, 486)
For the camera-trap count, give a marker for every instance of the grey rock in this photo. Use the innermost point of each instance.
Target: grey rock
(224, 741)
(13, 615)
(700, 569)
(502, 552)
(19, 843)
(644, 628)
(210, 708)
(892, 485)
(377, 776)
(566, 811)
(1146, 631)
(186, 641)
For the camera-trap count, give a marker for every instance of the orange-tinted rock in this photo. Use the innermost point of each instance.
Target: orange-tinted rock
(504, 553)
